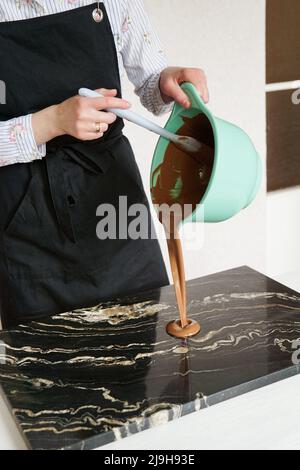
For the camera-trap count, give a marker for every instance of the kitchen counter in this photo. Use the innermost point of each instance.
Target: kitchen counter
(84, 379)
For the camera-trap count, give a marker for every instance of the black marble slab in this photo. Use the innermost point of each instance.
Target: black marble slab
(83, 379)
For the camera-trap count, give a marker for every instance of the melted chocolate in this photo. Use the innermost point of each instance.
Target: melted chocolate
(182, 179)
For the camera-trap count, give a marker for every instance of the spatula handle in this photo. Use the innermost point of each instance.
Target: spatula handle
(133, 117)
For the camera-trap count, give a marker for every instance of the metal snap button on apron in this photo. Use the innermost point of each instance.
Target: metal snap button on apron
(98, 14)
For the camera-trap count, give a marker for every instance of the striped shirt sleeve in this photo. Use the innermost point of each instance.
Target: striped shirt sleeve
(17, 142)
(143, 57)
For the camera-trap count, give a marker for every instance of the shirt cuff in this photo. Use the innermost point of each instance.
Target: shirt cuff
(22, 133)
(158, 104)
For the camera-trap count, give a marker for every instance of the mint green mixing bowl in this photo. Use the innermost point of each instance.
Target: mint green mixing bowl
(237, 171)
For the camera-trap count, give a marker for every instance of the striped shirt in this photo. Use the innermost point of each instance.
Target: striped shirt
(140, 56)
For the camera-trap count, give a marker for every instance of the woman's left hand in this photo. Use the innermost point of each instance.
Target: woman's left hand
(172, 77)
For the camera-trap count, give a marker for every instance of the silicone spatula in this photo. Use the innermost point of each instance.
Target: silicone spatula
(185, 143)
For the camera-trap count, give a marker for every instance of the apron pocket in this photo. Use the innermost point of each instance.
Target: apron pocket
(26, 212)
(82, 172)
(89, 156)
(34, 245)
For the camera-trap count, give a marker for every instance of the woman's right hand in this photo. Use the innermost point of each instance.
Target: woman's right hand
(80, 117)
(84, 118)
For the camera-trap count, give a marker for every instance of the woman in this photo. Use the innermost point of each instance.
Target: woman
(62, 155)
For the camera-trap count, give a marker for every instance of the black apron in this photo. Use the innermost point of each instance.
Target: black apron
(51, 259)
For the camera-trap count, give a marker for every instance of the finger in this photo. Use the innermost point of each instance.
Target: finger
(198, 78)
(106, 92)
(101, 116)
(179, 95)
(102, 126)
(87, 135)
(94, 135)
(206, 94)
(202, 87)
(109, 102)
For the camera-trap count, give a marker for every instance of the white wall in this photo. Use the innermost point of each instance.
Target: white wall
(227, 39)
(283, 237)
